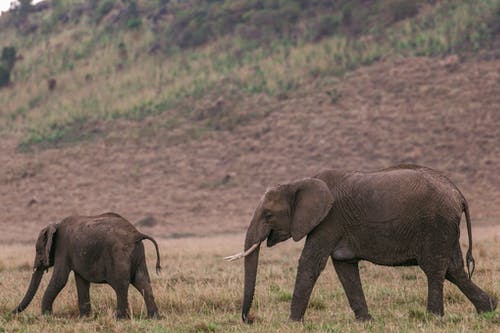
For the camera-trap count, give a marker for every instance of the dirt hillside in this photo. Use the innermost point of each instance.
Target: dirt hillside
(417, 110)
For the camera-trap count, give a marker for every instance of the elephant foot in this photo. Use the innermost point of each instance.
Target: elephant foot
(47, 311)
(122, 315)
(248, 319)
(365, 317)
(154, 315)
(296, 319)
(437, 314)
(489, 306)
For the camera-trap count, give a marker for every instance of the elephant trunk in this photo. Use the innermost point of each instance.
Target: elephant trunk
(251, 262)
(256, 233)
(34, 283)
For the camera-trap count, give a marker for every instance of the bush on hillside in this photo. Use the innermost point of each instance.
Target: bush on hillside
(196, 25)
(24, 7)
(325, 26)
(4, 76)
(104, 7)
(8, 57)
(7, 62)
(133, 20)
(266, 20)
(402, 9)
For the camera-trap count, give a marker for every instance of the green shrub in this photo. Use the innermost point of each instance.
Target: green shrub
(261, 20)
(92, 4)
(22, 10)
(104, 8)
(134, 23)
(59, 13)
(402, 9)
(327, 25)
(133, 20)
(4, 76)
(9, 57)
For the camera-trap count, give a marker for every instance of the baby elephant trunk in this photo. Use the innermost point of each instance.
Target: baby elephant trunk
(34, 283)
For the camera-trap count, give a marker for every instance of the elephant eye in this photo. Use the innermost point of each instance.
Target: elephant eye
(268, 216)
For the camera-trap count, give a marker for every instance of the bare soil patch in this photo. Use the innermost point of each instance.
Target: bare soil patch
(410, 110)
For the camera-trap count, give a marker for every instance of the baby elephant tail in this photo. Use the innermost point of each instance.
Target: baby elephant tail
(158, 266)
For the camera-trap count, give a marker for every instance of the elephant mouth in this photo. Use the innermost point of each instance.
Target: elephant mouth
(276, 237)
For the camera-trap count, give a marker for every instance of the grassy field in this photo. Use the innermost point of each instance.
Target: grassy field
(199, 292)
(105, 72)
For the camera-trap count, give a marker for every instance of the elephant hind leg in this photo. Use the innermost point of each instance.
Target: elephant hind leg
(435, 281)
(435, 269)
(121, 290)
(457, 275)
(435, 258)
(348, 274)
(142, 283)
(83, 289)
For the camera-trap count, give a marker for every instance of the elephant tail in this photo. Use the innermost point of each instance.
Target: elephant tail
(158, 266)
(471, 263)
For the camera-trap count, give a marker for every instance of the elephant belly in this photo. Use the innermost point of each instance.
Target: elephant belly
(98, 263)
(385, 246)
(92, 269)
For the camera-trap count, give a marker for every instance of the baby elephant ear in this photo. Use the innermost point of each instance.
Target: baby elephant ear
(311, 204)
(45, 240)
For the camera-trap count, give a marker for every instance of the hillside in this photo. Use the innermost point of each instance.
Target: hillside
(187, 110)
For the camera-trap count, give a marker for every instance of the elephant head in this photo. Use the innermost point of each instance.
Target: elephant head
(43, 260)
(289, 210)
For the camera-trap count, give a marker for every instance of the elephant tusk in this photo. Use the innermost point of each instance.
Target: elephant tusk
(242, 254)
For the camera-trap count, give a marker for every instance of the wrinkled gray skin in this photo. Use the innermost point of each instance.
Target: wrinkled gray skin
(401, 216)
(99, 249)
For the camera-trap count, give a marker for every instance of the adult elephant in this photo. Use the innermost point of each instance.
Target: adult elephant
(400, 216)
(100, 249)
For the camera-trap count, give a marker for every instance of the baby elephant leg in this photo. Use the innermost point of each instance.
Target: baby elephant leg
(143, 284)
(83, 289)
(56, 284)
(121, 290)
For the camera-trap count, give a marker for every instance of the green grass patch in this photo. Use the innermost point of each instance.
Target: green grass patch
(60, 134)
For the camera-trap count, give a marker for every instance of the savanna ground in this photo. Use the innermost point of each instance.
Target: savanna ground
(199, 292)
(184, 142)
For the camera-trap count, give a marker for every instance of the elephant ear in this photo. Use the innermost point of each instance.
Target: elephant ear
(45, 240)
(311, 204)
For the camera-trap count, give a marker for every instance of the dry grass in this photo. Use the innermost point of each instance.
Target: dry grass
(199, 292)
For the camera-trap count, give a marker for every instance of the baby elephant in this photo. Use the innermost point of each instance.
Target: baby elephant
(100, 249)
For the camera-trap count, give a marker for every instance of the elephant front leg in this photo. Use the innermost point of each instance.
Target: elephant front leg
(83, 289)
(348, 274)
(311, 263)
(56, 284)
